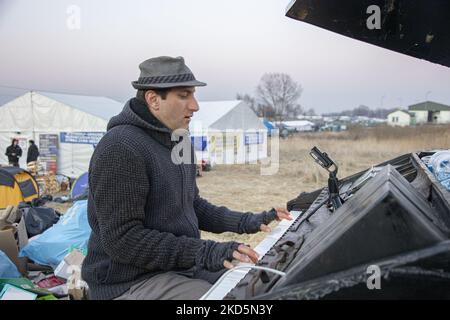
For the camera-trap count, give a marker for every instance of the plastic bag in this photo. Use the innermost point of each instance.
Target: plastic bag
(72, 230)
(7, 268)
(440, 165)
(446, 184)
(39, 219)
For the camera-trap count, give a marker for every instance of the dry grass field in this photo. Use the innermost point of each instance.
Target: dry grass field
(241, 187)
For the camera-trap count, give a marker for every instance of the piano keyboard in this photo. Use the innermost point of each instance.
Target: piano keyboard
(233, 278)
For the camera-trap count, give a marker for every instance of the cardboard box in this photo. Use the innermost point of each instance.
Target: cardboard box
(8, 245)
(22, 234)
(77, 288)
(12, 217)
(8, 216)
(12, 227)
(71, 263)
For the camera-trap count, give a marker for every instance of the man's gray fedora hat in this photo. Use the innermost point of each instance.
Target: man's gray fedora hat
(165, 72)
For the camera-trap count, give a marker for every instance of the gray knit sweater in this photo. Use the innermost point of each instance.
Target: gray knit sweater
(145, 211)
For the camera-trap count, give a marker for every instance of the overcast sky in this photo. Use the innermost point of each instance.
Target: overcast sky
(228, 44)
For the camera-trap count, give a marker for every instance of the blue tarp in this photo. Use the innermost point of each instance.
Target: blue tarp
(80, 186)
(7, 268)
(71, 231)
(269, 125)
(439, 164)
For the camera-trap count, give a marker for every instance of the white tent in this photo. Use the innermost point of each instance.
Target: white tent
(228, 132)
(300, 125)
(66, 128)
(72, 124)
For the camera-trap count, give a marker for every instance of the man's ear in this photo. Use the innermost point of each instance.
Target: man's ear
(152, 100)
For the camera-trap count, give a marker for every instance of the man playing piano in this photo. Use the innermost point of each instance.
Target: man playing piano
(145, 210)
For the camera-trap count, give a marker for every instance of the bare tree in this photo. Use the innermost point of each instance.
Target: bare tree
(279, 92)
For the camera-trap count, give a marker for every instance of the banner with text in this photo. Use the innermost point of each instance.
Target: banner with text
(48, 151)
(81, 137)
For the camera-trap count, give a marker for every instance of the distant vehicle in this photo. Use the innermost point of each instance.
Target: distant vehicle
(270, 127)
(283, 130)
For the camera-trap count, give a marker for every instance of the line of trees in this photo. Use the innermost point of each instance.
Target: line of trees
(363, 111)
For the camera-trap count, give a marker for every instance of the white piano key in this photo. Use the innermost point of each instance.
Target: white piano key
(262, 248)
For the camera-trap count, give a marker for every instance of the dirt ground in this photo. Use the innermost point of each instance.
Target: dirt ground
(243, 188)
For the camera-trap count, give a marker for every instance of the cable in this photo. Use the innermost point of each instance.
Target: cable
(248, 266)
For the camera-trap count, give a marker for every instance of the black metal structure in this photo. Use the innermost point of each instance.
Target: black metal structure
(419, 28)
(396, 215)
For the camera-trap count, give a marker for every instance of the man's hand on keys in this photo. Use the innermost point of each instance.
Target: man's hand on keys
(243, 254)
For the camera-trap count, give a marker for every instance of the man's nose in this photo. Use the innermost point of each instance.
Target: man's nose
(194, 105)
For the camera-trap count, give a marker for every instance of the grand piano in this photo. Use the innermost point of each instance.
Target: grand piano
(390, 222)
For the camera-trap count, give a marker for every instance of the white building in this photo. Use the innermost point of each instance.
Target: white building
(422, 113)
(430, 112)
(399, 118)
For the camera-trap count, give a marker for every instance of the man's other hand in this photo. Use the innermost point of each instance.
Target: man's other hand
(282, 214)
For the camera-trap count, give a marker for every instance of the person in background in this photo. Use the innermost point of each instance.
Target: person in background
(14, 152)
(33, 152)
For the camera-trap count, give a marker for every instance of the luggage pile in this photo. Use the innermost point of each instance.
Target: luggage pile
(48, 184)
(35, 168)
(41, 252)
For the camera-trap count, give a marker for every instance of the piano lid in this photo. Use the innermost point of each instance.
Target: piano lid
(419, 28)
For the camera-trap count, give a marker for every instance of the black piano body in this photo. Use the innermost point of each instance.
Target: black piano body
(419, 28)
(396, 218)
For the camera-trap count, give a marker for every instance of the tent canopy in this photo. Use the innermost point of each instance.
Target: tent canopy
(80, 185)
(80, 121)
(55, 112)
(101, 107)
(16, 185)
(77, 121)
(7, 175)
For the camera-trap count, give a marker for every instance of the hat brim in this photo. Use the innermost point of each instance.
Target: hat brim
(193, 83)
